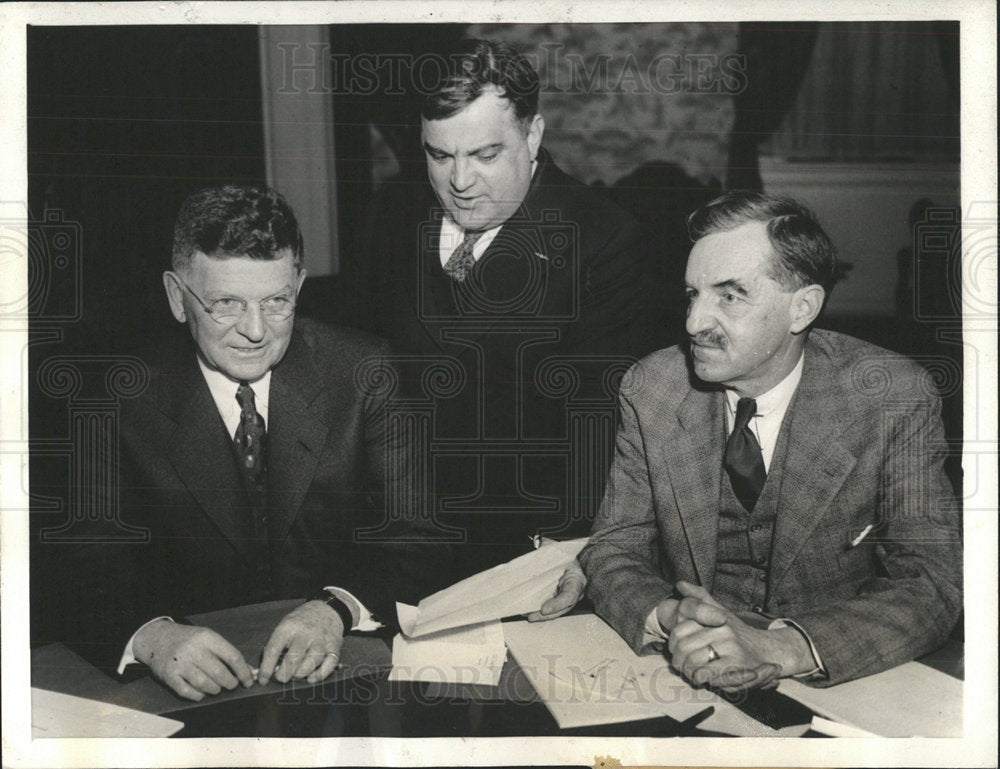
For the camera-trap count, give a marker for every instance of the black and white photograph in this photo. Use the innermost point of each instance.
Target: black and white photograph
(404, 384)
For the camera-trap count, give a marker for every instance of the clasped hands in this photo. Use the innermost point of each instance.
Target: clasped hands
(713, 647)
(195, 661)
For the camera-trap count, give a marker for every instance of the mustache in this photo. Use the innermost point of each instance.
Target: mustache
(709, 339)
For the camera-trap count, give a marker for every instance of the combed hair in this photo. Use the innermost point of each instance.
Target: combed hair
(473, 66)
(804, 253)
(235, 220)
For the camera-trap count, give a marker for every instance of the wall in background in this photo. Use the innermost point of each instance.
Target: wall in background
(615, 96)
(865, 208)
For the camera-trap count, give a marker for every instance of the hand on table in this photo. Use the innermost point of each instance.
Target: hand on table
(748, 657)
(310, 637)
(193, 661)
(568, 594)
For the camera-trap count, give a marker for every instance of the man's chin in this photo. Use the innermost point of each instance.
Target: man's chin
(706, 372)
(472, 219)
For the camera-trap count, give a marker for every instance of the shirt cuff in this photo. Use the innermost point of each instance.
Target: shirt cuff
(128, 656)
(366, 620)
(654, 636)
(817, 671)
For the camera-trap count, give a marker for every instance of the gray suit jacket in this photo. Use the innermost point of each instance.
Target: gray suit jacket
(865, 447)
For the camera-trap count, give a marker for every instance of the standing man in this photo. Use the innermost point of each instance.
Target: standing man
(531, 289)
(777, 504)
(257, 459)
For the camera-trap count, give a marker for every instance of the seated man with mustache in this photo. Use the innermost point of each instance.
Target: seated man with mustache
(777, 504)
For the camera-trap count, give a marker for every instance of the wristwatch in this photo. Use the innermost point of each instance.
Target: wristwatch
(337, 605)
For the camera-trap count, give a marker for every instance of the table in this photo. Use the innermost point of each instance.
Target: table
(361, 702)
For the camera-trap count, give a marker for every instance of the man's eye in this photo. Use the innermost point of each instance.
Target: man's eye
(227, 305)
(489, 157)
(730, 298)
(277, 304)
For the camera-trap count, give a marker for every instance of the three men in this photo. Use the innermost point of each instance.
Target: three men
(260, 460)
(777, 504)
(530, 287)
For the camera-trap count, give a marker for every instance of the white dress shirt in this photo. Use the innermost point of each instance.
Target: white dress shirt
(771, 409)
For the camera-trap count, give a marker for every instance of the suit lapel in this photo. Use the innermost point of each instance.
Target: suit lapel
(816, 461)
(296, 433)
(199, 448)
(695, 474)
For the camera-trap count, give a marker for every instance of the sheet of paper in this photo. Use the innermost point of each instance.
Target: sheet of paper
(473, 654)
(587, 675)
(63, 715)
(911, 700)
(518, 587)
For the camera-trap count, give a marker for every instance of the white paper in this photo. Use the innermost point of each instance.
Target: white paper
(587, 675)
(474, 654)
(911, 700)
(518, 587)
(63, 715)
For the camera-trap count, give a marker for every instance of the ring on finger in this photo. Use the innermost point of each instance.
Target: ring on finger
(713, 655)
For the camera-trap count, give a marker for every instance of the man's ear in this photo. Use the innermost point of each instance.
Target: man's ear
(302, 279)
(535, 132)
(175, 295)
(806, 304)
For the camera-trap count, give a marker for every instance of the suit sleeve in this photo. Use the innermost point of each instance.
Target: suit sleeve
(621, 561)
(911, 606)
(402, 560)
(622, 312)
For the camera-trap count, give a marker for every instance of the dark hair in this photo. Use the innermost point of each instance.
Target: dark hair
(471, 67)
(235, 220)
(803, 252)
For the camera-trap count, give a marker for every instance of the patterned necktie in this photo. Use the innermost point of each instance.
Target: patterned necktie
(250, 436)
(461, 259)
(743, 461)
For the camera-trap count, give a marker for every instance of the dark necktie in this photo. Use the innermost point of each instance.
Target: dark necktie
(250, 437)
(743, 461)
(461, 259)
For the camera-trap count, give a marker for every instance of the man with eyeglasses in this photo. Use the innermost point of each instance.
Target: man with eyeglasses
(256, 459)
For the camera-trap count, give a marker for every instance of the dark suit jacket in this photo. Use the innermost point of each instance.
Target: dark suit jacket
(334, 465)
(865, 446)
(553, 313)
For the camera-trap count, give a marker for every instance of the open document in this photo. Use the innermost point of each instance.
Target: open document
(473, 654)
(587, 675)
(517, 587)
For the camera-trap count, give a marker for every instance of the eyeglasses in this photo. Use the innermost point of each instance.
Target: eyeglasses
(231, 310)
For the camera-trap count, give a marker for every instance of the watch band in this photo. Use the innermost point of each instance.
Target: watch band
(337, 605)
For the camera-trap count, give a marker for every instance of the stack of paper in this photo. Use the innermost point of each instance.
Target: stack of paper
(912, 700)
(473, 654)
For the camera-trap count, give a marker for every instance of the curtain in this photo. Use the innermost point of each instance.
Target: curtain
(776, 56)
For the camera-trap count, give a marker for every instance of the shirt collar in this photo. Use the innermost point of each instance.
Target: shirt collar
(775, 399)
(224, 389)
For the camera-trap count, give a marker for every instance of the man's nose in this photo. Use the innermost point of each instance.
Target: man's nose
(699, 316)
(462, 175)
(251, 325)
